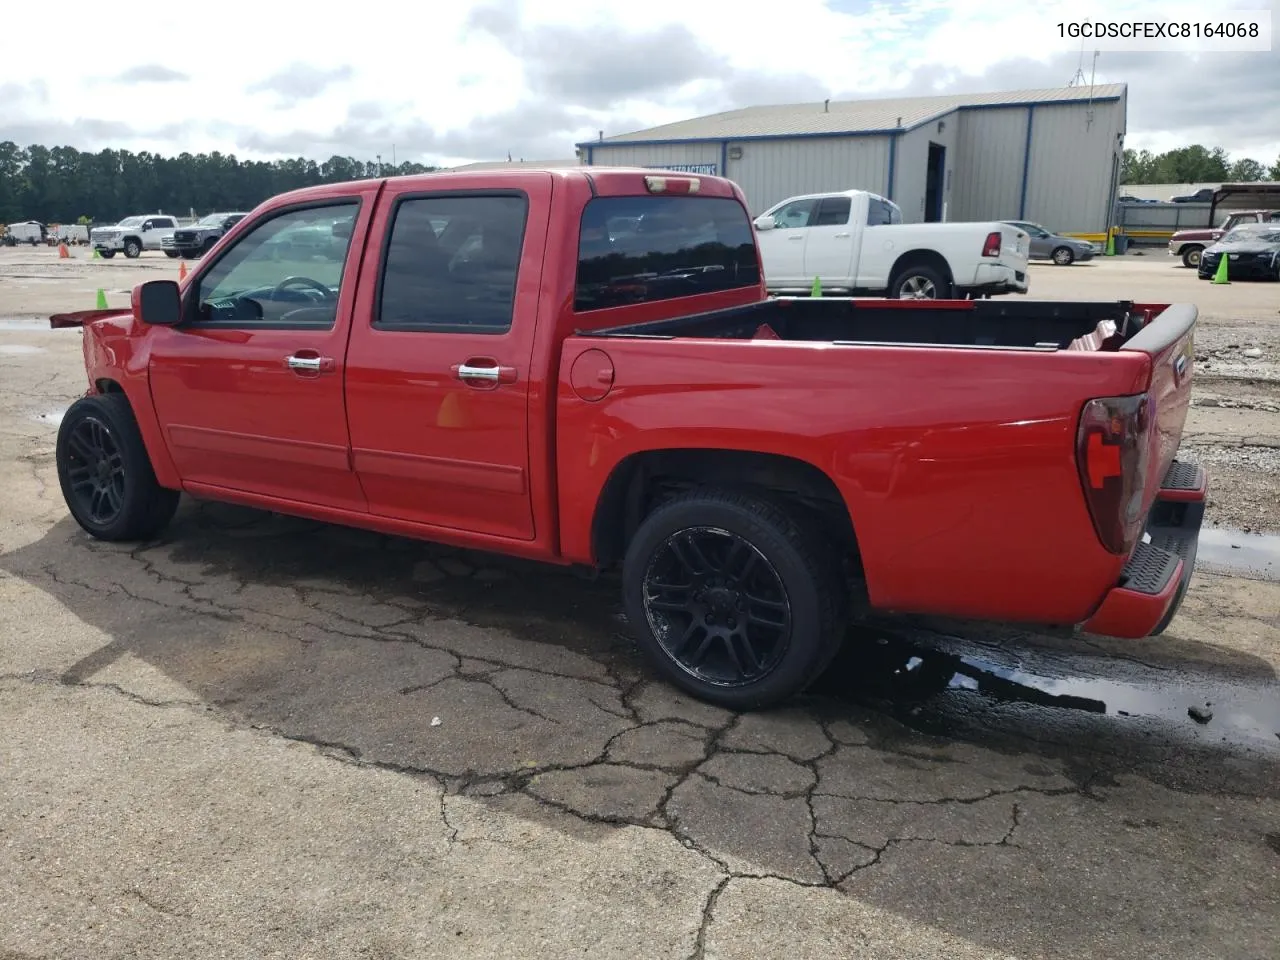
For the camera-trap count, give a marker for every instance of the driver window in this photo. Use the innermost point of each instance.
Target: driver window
(795, 214)
(285, 271)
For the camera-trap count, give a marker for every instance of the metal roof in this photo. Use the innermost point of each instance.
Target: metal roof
(852, 116)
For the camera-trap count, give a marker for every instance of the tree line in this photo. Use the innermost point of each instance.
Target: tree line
(66, 185)
(1194, 164)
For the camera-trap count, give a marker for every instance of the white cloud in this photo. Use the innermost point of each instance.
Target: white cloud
(461, 81)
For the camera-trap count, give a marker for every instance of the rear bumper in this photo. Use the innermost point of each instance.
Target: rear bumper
(995, 278)
(1154, 581)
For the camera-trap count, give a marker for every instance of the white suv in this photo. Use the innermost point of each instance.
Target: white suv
(133, 235)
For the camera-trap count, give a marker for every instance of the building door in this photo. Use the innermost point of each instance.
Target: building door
(934, 183)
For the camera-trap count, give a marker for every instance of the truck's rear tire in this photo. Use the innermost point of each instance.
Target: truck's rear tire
(919, 283)
(736, 601)
(1191, 256)
(132, 249)
(105, 474)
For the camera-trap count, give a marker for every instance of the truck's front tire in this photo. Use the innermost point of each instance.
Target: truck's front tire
(1191, 256)
(105, 474)
(736, 601)
(171, 254)
(106, 254)
(132, 249)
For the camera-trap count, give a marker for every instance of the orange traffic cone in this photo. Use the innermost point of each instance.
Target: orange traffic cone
(63, 252)
(182, 271)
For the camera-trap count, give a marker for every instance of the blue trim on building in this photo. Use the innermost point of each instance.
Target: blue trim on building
(590, 152)
(724, 158)
(893, 163)
(1026, 163)
(840, 134)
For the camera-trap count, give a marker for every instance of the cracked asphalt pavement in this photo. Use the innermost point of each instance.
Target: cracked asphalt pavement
(266, 737)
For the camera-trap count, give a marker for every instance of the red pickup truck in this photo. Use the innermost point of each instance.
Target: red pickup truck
(582, 366)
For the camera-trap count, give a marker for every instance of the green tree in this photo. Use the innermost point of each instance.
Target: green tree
(59, 184)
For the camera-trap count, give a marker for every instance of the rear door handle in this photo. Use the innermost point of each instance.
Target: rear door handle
(484, 372)
(842, 235)
(796, 236)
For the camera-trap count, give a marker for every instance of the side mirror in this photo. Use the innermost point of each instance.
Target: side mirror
(158, 303)
(765, 222)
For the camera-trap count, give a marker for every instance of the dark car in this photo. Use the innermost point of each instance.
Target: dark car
(198, 239)
(1203, 195)
(1252, 252)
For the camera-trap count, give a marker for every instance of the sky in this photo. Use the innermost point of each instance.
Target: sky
(480, 79)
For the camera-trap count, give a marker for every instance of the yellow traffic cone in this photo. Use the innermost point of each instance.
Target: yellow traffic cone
(816, 290)
(102, 299)
(95, 255)
(1111, 245)
(1220, 275)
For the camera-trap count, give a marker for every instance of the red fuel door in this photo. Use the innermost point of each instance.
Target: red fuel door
(592, 375)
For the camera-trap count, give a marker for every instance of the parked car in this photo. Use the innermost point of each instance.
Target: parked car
(1189, 244)
(756, 468)
(132, 235)
(856, 242)
(1130, 198)
(1046, 245)
(1252, 252)
(195, 241)
(28, 231)
(1203, 195)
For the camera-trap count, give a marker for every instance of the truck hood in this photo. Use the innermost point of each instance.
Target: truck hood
(1205, 234)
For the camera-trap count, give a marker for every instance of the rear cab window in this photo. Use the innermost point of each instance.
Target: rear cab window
(645, 249)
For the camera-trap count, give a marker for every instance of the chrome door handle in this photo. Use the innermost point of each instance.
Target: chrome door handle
(478, 373)
(842, 234)
(796, 236)
(310, 364)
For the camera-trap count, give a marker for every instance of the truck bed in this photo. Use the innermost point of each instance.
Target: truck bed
(993, 324)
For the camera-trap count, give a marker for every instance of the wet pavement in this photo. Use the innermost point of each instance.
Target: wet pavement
(261, 736)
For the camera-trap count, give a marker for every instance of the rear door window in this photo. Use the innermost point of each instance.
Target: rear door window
(833, 212)
(643, 249)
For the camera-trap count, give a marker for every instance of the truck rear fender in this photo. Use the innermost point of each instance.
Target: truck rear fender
(640, 482)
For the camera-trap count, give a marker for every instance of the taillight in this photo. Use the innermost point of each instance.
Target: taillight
(992, 247)
(1112, 452)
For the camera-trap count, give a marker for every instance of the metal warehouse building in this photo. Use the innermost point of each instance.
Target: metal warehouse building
(1049, 156)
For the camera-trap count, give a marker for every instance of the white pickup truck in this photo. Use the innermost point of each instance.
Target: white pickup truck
(856, 243)
(132, 235)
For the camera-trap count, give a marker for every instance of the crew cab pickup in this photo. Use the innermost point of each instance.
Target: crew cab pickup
(132, 235)
(1189, 245)
(582, 366)
(855, 242)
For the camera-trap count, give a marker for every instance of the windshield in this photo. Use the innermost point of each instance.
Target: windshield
(131, 222)
(212, 220)
(1250, 232)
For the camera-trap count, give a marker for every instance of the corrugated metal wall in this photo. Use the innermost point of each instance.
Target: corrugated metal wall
(1070, 177)
(773, 170)
(987, 183)
(1069, 188)
(627, 155)
(911, 168)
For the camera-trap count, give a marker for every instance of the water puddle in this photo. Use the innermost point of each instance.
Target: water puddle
(19, 349)
(912, 679)
(1223, 550)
